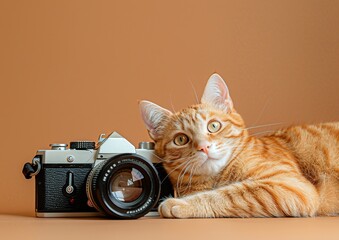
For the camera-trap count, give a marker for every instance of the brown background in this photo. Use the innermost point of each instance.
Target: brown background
(71, 70)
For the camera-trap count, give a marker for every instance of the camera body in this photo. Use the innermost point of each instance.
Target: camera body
(111, 178)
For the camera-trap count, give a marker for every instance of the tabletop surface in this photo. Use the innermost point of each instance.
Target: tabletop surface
(30, 227)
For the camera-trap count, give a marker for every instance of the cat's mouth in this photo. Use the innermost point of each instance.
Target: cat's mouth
(207, 157)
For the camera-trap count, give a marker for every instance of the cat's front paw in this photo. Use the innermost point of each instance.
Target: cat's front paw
(175, 208)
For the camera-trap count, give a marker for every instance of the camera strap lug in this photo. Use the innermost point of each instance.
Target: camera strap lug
(31, 169)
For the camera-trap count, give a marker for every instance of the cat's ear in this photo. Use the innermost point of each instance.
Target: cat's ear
(155, 118)
(216, 94)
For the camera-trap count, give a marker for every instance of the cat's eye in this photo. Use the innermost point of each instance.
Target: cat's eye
(213, 126)
(181, 139)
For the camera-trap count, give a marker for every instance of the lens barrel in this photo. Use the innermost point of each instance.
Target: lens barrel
(125, 186)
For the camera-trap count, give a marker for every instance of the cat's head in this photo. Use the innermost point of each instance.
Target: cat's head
(201, 138)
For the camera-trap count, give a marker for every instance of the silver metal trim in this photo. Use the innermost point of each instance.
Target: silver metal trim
(146, 145)
(67, 214)
(58, 146)
(36, 162)
(152, 214)
(82, 214)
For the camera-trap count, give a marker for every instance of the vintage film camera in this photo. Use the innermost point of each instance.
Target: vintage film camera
(112, 179)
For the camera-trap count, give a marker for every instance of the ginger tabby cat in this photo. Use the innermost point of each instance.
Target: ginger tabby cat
(219, 170)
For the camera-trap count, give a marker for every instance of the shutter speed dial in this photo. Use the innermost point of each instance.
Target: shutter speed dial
(82, 145)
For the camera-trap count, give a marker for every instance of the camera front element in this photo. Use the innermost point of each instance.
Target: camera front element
(124, 186)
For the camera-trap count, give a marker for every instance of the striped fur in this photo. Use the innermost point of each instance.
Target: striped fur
(292, 172)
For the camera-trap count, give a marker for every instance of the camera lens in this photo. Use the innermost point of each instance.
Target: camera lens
(124, 186)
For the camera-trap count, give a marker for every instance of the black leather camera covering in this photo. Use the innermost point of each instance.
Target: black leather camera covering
(50, 182)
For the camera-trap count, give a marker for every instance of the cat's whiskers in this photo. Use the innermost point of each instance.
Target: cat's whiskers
(174, 115)
(172, 171)
(193, 170)
(172, 105)
(262, 110)
(182, 174)
(264, 125)
(168, 161)
(241, 145)
(263, 132)
(161, 159)
(195, 92)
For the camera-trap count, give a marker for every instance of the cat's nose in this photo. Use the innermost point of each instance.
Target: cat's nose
(204, 147)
